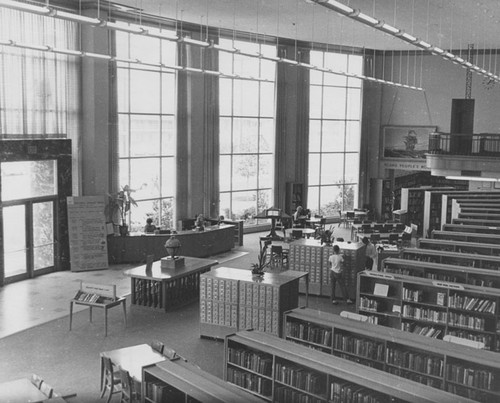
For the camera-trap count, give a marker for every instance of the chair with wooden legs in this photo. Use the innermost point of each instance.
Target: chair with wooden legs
(111, 379)
(129, 391)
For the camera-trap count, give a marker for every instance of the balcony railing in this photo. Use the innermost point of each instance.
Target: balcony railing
(485, 145)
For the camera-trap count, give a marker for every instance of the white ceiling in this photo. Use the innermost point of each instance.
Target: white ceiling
(449, 24)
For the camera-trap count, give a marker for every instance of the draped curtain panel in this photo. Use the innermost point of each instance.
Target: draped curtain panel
(39, 91)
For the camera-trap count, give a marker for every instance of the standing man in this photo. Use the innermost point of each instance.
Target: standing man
(336, 263)
(371, 255)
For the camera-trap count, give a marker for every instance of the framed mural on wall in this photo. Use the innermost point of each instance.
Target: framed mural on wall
(408, 142)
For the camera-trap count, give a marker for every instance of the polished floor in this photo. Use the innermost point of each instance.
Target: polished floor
(39, 300)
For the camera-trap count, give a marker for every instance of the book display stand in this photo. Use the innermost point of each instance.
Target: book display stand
(277, 370)
(97, 296)
(461, 370)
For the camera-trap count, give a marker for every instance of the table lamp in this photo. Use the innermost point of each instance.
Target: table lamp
(172, 261)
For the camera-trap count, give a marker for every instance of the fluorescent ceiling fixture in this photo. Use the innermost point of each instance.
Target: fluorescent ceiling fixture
(408, 37)
(97, 55)
(364, 18)
(132, 29)
(389, 28)
(437, 50)
(473, 178)
(337, 6)
(459, 59)
(25, 7)
(449, 55)
(424, 44)
(77, 17)
(194, 42)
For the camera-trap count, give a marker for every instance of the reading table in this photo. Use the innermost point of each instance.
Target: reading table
(20, 391)
(162, 288)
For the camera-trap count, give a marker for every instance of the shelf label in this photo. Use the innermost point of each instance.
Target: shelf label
(448, 285)
(379, 275)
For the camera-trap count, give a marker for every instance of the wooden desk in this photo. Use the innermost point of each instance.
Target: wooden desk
(233, 299)
(20, 391)
(305, 231)
(132, 359)
(168, 288)
(135, 248)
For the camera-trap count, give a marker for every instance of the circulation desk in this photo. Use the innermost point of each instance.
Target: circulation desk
(168, 288)
(134, 248)
(233, 299)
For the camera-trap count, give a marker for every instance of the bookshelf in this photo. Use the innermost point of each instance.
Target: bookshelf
(443, 272)
(278, 371)
(178, 380)
(478, 199)
(308, 255)
(434, 207)
(412, 200)
(233, 299)
(476, 221)
(459, 246)
(481, 229)
(431, 307)
(479, 214)
(458, 259)
(466, 237)
(382, 198)
(428, 361)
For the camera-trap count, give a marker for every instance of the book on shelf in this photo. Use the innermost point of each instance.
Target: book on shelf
(381, 289)
(440, 298)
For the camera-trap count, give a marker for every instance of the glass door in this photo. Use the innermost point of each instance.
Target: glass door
(29, 199)
(14, 240)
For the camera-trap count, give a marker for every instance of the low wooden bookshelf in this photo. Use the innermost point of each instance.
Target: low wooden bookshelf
(429, 361)
(485, 248)
(177, 380)
(477, 221)
(443, 272)
(279, 371)
(467, 237)
(459, 259)
(481, 229)
(431, 307)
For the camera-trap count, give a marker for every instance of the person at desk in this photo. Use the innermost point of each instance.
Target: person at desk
(299, 217)
(149, 228)
(371, 255)
(336, 263)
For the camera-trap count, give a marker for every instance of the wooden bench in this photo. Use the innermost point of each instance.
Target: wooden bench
(97, 296)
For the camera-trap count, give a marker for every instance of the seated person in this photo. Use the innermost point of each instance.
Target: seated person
(299, 217)
(149, 228)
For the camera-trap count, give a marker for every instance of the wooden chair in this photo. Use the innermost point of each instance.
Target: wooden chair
(278, 256)
(157, 346)
(393, 238)
(111, 379)
(296, 234)
(46, 389)
(36, 380)
(129, 391)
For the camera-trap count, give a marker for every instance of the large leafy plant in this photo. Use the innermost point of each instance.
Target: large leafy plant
(120, 203)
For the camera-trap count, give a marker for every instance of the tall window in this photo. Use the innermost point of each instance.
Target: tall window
(146, 127)
(246, 132)
(334, 134)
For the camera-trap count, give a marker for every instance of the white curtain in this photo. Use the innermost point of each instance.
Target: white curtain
(39, 90)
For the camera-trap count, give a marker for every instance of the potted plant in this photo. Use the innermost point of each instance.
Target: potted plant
(120, 203)
(258, 268)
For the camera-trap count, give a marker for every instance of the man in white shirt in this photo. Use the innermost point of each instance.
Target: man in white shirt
(371, 255)
(336, 262)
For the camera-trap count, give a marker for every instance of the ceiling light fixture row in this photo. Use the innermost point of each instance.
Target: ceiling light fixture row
(70, 52)
(357, 15)
(139, 30)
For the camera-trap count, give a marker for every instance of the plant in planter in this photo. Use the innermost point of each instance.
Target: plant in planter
(119, 203)
(258, 268)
